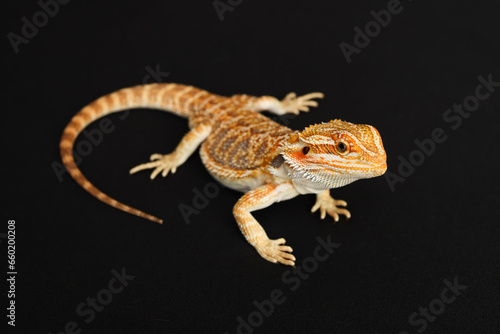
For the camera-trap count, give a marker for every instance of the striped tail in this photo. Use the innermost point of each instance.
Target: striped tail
(176, 98)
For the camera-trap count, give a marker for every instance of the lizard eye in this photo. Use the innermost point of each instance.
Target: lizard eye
(341, 147)
(305, 150)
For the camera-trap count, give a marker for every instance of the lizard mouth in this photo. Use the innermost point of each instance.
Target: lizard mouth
(380, 170)
(375, 171)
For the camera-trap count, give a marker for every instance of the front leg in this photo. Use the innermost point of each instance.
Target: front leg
(256, 199)
(290, 104)
(327, 204)
(169, 162)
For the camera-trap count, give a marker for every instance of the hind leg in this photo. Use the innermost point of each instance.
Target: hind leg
(165, 163)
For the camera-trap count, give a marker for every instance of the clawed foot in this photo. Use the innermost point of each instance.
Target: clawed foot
(293, 104)
(327, 204)
(276, 251)
(161, 164)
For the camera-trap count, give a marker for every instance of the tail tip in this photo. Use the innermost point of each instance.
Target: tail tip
(156, 220)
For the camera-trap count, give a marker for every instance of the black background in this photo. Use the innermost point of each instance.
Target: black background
(442, 223)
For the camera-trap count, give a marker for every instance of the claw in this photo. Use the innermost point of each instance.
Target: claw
(161, 163)
(275, 251)
(327, 204)
(293, 104)
(142, 167)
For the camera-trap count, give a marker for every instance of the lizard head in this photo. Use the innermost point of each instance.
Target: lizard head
(333, 154)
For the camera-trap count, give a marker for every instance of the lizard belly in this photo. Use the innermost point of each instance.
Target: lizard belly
(241, 184)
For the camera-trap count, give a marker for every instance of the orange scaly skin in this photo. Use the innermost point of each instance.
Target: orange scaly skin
(246, 151)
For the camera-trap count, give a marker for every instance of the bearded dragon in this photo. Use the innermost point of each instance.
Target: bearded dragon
(246, 151)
